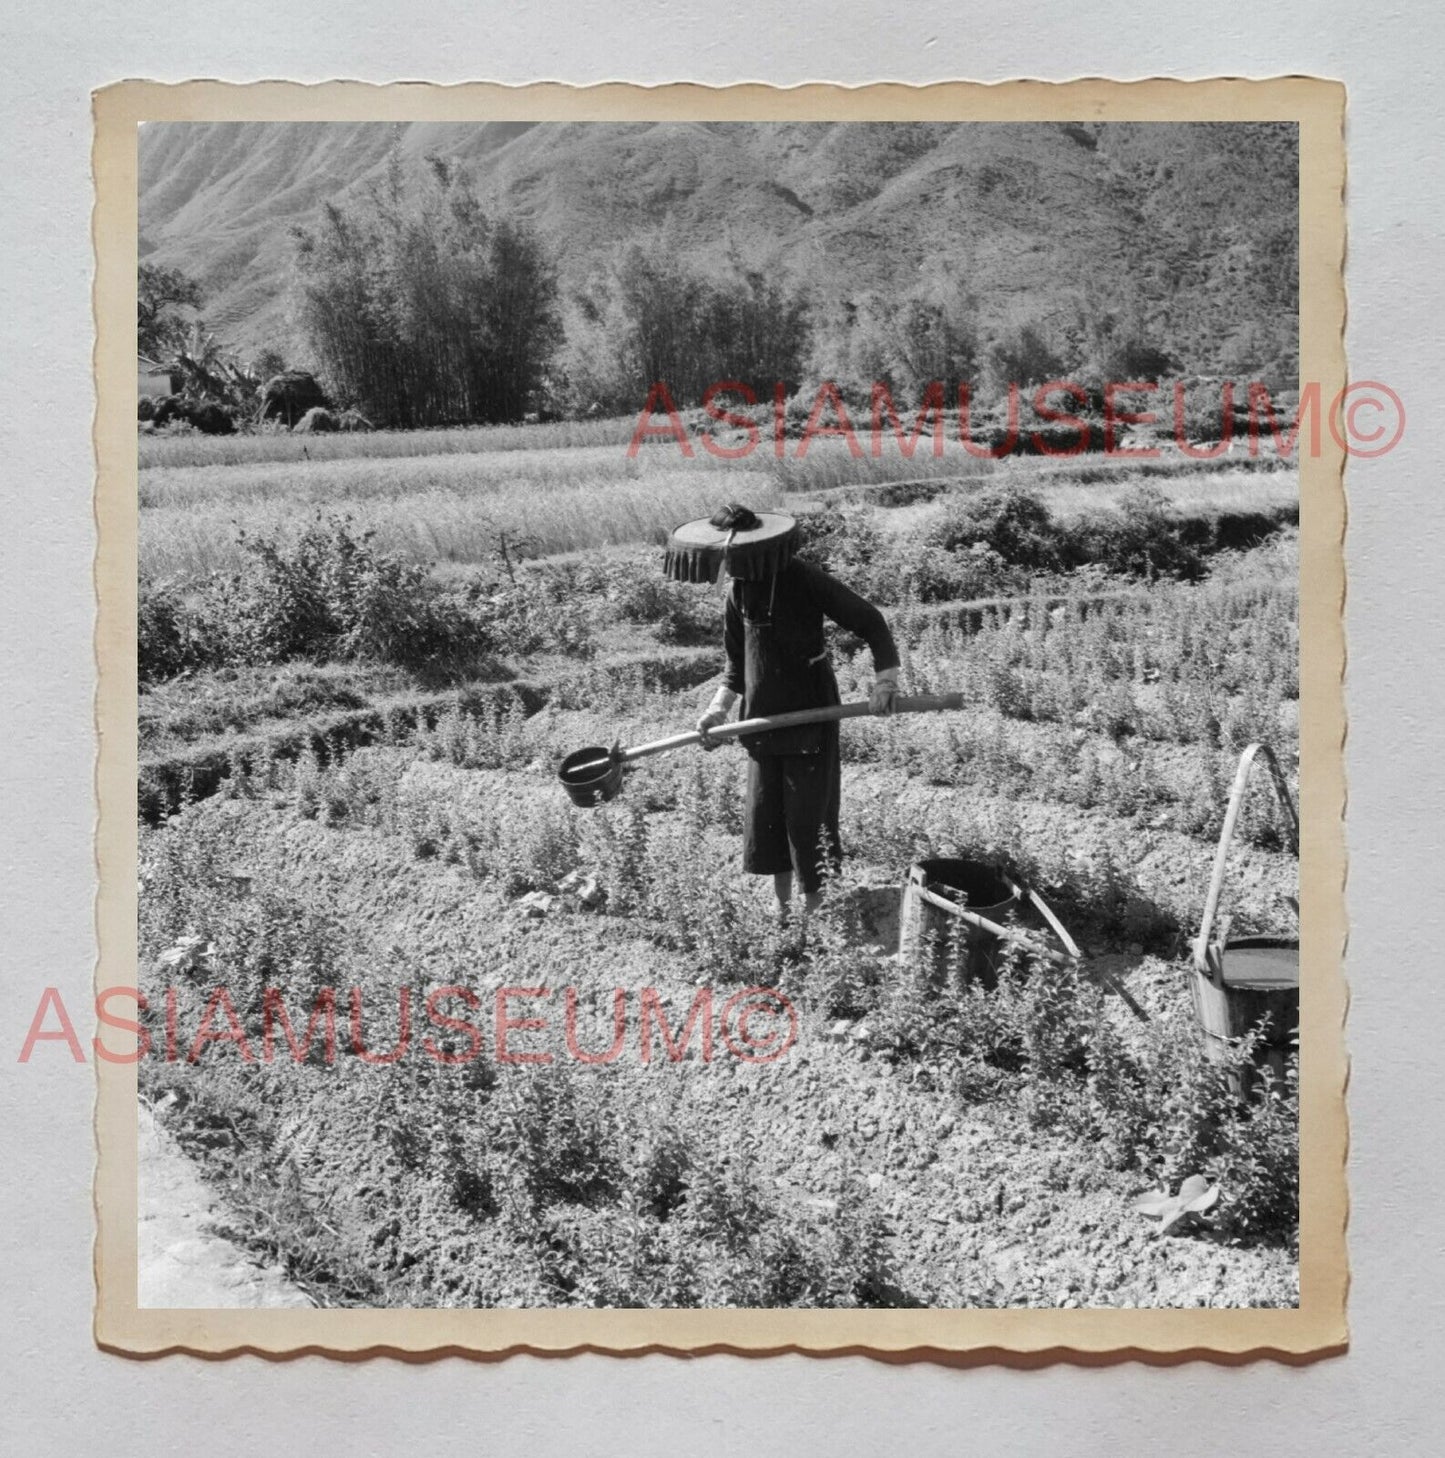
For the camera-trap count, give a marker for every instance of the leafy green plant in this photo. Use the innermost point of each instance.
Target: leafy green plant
(169, 636)
(679, 614)
(559, 1136)
(327, 594)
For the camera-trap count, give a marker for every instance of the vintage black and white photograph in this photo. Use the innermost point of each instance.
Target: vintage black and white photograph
(719, 713)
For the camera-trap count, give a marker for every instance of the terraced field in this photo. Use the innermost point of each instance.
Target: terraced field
(393, 839)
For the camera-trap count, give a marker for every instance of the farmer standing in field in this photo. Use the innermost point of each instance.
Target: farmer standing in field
(777, 663)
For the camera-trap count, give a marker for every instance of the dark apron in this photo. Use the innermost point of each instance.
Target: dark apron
(785, 668)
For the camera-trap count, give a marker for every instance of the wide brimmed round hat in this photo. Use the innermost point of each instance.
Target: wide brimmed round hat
(746, 544)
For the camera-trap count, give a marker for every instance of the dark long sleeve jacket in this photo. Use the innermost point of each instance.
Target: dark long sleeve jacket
(776, 657)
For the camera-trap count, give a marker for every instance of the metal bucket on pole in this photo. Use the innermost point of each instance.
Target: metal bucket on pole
(593, 774)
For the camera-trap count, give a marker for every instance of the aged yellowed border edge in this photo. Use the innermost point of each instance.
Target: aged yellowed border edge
(1019, 1337)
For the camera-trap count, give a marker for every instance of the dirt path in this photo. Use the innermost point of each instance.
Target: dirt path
(182, 1261)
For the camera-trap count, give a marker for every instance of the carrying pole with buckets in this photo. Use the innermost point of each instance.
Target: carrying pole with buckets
(1243, 983)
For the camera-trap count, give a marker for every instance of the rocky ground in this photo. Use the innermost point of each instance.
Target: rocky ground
(182, 1257)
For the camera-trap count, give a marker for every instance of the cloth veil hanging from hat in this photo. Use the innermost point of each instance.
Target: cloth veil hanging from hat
(750, 546)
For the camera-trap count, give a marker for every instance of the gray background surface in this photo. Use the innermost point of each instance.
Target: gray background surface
(61, 1395)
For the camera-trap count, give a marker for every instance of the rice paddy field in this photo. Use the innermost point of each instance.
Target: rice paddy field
(354, 803)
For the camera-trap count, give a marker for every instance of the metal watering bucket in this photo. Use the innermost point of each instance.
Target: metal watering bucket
(591, 775)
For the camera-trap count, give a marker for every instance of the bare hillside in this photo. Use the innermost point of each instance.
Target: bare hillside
(1193, 223)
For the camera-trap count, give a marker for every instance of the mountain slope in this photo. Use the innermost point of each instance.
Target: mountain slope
(1192, 223)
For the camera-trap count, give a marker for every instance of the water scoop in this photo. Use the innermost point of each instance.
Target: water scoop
(593, 774)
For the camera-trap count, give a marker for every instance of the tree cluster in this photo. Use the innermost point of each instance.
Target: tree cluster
(421, 309)
(655, 315)
(164, 299)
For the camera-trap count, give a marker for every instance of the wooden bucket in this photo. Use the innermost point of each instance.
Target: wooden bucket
(951, 921)
(1248, 983)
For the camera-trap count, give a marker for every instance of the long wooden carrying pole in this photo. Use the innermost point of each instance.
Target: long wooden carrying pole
(919, 704)
(922, 704)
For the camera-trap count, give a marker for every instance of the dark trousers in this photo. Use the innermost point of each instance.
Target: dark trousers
(790, 821)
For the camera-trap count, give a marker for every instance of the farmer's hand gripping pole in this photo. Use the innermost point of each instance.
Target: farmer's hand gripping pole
(593, 774)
